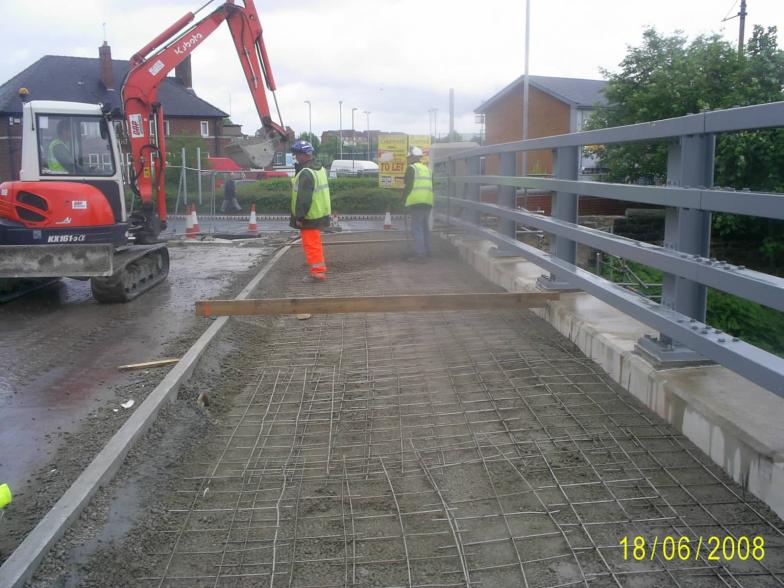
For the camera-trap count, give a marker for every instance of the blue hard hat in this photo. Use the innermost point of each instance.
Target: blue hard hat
(302, 147)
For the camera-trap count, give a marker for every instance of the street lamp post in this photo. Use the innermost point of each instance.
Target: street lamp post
(353, 138)
(310, 125)
(340, 128)
(367, 118)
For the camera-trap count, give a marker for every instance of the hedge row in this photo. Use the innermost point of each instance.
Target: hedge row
(349, 196)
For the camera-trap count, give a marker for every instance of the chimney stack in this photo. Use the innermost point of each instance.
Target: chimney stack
(105, 57)
(451, 114)
(183, 73)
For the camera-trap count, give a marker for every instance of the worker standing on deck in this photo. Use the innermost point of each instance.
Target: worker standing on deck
(418, 200)
(310, 207)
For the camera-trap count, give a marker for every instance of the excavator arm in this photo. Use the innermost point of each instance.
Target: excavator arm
(150, 66)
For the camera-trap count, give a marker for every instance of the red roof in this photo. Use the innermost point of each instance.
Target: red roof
(224, 164)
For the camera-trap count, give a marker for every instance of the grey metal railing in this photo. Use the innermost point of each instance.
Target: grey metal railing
(684, 258)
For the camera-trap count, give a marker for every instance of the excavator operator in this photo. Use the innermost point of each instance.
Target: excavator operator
(60, 159)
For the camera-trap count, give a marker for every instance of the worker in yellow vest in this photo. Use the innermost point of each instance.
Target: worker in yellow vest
(310, 207)
(59, 157)
(418, 200)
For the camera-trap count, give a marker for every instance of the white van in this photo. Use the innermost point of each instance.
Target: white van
(347, 167)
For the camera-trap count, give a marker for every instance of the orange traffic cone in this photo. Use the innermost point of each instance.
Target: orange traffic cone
(387, 220)
(196, 228)
(252, 226)
(189, 233)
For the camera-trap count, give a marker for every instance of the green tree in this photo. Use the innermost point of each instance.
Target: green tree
(449, 138)
(175, 145)
(667, 77)
(329, 150)
(310, 138)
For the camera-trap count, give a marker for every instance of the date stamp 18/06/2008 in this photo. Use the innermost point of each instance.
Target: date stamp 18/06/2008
(683, 548)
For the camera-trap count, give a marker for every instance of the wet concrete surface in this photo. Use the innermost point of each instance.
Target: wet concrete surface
(420, 449)
(61, 349)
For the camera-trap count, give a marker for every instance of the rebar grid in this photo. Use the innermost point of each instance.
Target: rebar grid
(445, 449)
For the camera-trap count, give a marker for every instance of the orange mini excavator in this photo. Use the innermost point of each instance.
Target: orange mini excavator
(66, 216)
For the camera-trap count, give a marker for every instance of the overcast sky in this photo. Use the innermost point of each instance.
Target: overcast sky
(396, 58)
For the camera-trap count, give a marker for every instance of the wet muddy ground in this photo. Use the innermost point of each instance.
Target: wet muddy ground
(424, 449)
(60, 389)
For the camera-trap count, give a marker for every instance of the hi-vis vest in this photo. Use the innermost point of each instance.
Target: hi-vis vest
(320, 205)
(422, 190)
(52, 163)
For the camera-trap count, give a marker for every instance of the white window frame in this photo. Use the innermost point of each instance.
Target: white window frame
(204, 127)
(89, 129)
(166, 128)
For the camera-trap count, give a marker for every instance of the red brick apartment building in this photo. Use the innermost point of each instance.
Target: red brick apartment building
(556, 106)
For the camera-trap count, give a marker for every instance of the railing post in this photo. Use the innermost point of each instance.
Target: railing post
(507, 195)
(471, 191)
(690, 164)
(566, 165)
(451, 190)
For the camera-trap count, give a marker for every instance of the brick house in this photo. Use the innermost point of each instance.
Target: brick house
(98, 80)
(556, 106)
(349, 137)
(355, 142)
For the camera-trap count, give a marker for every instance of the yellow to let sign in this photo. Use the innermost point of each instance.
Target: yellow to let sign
(391, 155)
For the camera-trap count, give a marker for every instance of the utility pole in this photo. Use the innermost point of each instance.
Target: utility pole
(310, 125)
(451, 114)
(367, 119)
(340, 128)
(353, 138)
(741, 28)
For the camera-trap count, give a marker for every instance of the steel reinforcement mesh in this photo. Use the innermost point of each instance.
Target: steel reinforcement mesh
(448, 449)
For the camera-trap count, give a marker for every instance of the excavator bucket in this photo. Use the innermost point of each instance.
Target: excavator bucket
(252, 152)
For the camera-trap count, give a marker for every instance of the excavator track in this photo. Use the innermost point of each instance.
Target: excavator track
(137, 270)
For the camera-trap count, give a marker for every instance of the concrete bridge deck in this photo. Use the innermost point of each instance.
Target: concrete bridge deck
(436, 449)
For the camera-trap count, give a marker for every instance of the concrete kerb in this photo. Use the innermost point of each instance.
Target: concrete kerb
(241, 242)
(735, 422)
(22, 563)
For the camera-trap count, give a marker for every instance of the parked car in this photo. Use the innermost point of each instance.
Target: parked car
(347, 167)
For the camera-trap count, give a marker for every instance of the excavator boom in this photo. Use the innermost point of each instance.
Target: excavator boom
(150, 66)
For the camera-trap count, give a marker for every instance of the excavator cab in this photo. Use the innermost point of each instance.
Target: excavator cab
(70, 187)
(74, 145)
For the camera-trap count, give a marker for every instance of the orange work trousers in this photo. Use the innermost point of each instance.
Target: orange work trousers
(314, 251)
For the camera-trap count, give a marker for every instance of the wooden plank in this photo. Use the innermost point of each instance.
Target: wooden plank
(147, 364)
(355, 242)
(402, 303)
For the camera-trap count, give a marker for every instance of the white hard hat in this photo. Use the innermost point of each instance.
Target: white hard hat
(415, 152)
